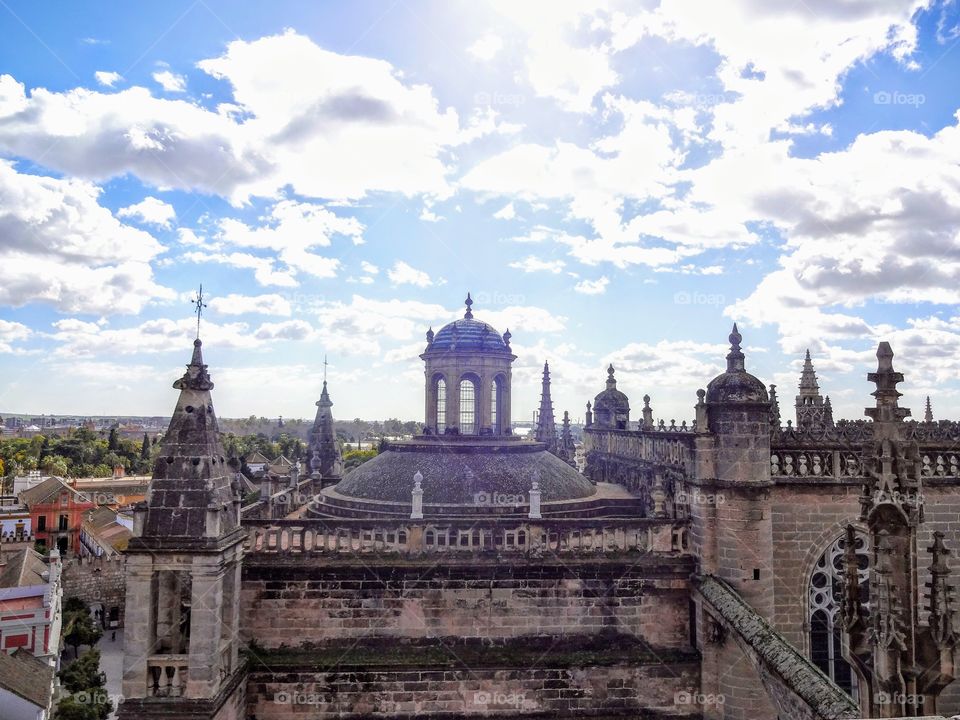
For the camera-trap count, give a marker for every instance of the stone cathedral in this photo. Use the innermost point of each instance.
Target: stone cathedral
(730, 566)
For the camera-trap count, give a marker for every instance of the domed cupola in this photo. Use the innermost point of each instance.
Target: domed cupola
(736, 385)
(611, 408)
(467, 364)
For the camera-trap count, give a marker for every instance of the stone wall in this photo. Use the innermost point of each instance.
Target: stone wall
(323, 600)
(97, 580)
(544, 691)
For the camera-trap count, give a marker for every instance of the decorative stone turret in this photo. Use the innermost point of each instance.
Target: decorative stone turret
(588, 416)
(611, 408)
(467, 368)
(810, 407)
(928, 412)
(647, 413)
(325, 459)
(183, 570)
(774, 408)
(546, 430)
(902, 666)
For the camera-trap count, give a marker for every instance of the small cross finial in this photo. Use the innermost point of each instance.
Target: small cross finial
(468, 302)
(324, 367)
(199, 306)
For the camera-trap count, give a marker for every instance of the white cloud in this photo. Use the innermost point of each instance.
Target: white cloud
(507, 212)
(486, 47)
(265, 272)
(534, 264)
(108, 79)
(234, 304)
(60, 246)
(403, 274)
(592, 287)
(150, 210)
(170, 82)
(369, 267)
(10, 333)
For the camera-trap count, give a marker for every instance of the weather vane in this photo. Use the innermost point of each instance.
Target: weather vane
(199, 305)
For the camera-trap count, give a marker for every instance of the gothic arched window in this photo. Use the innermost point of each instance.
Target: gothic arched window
(468, 407)
(441, 405)
(826, 598)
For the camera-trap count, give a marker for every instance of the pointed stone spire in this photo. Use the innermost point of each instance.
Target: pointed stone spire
(194, 495)
(568, 448)
(928, 412)
(811, 409)
(468, 315)
(735, 358)
(546, 431)
(325, 460)
(808, 377)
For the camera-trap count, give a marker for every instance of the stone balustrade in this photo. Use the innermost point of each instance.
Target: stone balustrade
(561, 537)
(844, 463)
(166, 675)
(664, 446)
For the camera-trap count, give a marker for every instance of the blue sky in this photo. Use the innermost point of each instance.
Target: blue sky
(612, 181)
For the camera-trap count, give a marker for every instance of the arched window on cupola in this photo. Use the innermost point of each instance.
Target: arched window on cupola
(441, 395)
(826, 598)
(496, 390)
(468, 406)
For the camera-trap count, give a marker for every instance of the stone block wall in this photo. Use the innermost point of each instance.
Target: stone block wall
(544, 691)
(320, 601)
(97, 580)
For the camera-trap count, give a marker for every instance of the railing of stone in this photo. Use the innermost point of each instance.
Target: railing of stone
(840, 463)
(166, 675)
(656, 446)
(855, 432)
(562, 537)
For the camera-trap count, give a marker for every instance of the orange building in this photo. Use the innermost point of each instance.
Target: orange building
(56, 514)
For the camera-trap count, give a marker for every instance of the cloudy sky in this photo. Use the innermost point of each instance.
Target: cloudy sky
(611, 180)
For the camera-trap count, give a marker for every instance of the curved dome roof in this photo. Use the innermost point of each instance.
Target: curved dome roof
(736, 385)
(464, 473)
(469, 334)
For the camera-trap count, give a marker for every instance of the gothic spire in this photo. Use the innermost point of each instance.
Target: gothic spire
(774, 408)
(323, 450)
(190, 476)
(546, 431)
(886, 379)
(928, 412)
(808, 378)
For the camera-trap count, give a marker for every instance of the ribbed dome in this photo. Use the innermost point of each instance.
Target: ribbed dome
(468, 335)
(611, 398)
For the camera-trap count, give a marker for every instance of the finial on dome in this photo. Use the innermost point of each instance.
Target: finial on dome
(430, 335)
(506, 338)
(735, 357)
(468, 315)
(611, 380)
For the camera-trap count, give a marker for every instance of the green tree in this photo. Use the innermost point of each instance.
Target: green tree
(113, 439)
(79, 628)
(145, 447)
(84, 673)
(70, 708)
(55, 465)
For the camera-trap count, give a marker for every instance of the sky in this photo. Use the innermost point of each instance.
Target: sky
(612, 181)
